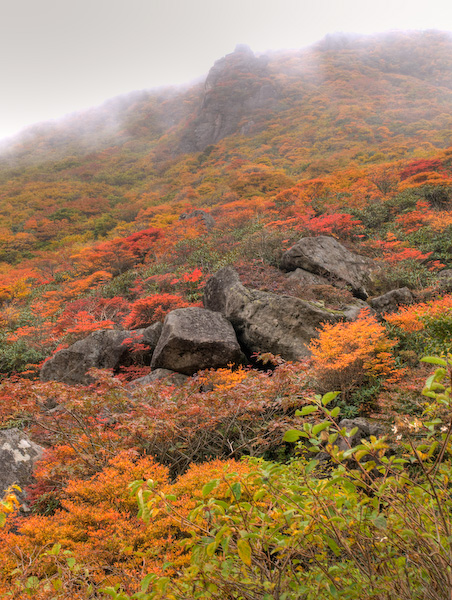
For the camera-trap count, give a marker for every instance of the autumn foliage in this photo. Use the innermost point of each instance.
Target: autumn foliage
(346, 354)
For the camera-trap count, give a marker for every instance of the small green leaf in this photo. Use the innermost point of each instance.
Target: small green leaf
(320, 427)
(210, 550)
(329, 397)
(244, 551)
(209, 487)
(145, 583)
(236, 489)
(332, 544)
(434, 360)
(293, 435)
(306, 410)
(380, 522)
(311, 465)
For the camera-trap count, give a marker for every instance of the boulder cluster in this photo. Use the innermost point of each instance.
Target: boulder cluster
(235, 322)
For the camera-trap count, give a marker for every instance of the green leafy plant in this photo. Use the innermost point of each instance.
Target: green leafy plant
(374, 524)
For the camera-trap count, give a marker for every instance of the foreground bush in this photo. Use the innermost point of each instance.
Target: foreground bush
(374, 524)
(347, 355)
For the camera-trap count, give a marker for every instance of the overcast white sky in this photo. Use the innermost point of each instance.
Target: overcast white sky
(59, 56)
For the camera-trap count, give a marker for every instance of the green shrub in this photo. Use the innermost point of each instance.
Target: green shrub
(376, 524)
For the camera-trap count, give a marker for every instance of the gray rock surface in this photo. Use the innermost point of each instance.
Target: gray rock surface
(195, 338)
(18, 455)
(207, 218)
(169, 377)
(325, 256)
(265, 322)
(390, 302)
(365, 429)
(306, 278)
(101, 350)
(352, 311)
(445, 280)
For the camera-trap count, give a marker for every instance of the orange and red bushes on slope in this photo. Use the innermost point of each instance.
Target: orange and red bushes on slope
(420, 166)
(149, 310)
(120, 254)
(98, 525)
(111, 310)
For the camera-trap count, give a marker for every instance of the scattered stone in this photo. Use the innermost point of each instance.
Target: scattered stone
(325, 256)
(18, 455)
(365, 430)
(195, 338)
(169, 377)
(209, 221)
(390, 302)
(445, 280)
(103, 349)
(266, 322)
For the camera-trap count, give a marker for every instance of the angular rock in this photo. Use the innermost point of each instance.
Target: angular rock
(365, 429)
(150, 335)
(390, 302)
(445, 280)
(102, 350)
(325, 256)
(170, 377)
(18, 455)
(352, 311)
(207, 218)
(266, 322)
(195, 338)
(306, 278)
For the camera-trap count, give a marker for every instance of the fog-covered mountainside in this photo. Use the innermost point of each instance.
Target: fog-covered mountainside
(215, 301)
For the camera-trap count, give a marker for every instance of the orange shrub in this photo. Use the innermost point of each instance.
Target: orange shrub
(413, 318)
(347, 354)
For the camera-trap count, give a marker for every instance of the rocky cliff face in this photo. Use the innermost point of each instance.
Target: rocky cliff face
(237, 88)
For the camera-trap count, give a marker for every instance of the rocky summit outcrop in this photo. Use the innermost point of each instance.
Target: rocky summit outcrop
(265, 322)
(103, 349)
(237, 86)
(18, 455)
(325, 256)
(194, 338)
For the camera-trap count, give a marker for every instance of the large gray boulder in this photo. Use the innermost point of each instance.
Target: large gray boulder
(103, 349)
(266, 322)
(18, 455)
(325, 256)
(193, 339)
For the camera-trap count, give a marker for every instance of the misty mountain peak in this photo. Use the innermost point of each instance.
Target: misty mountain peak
(237, 85)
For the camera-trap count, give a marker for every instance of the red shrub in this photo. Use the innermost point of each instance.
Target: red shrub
(147, 311)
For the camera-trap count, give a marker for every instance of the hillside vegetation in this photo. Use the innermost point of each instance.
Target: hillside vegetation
(240, 482)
